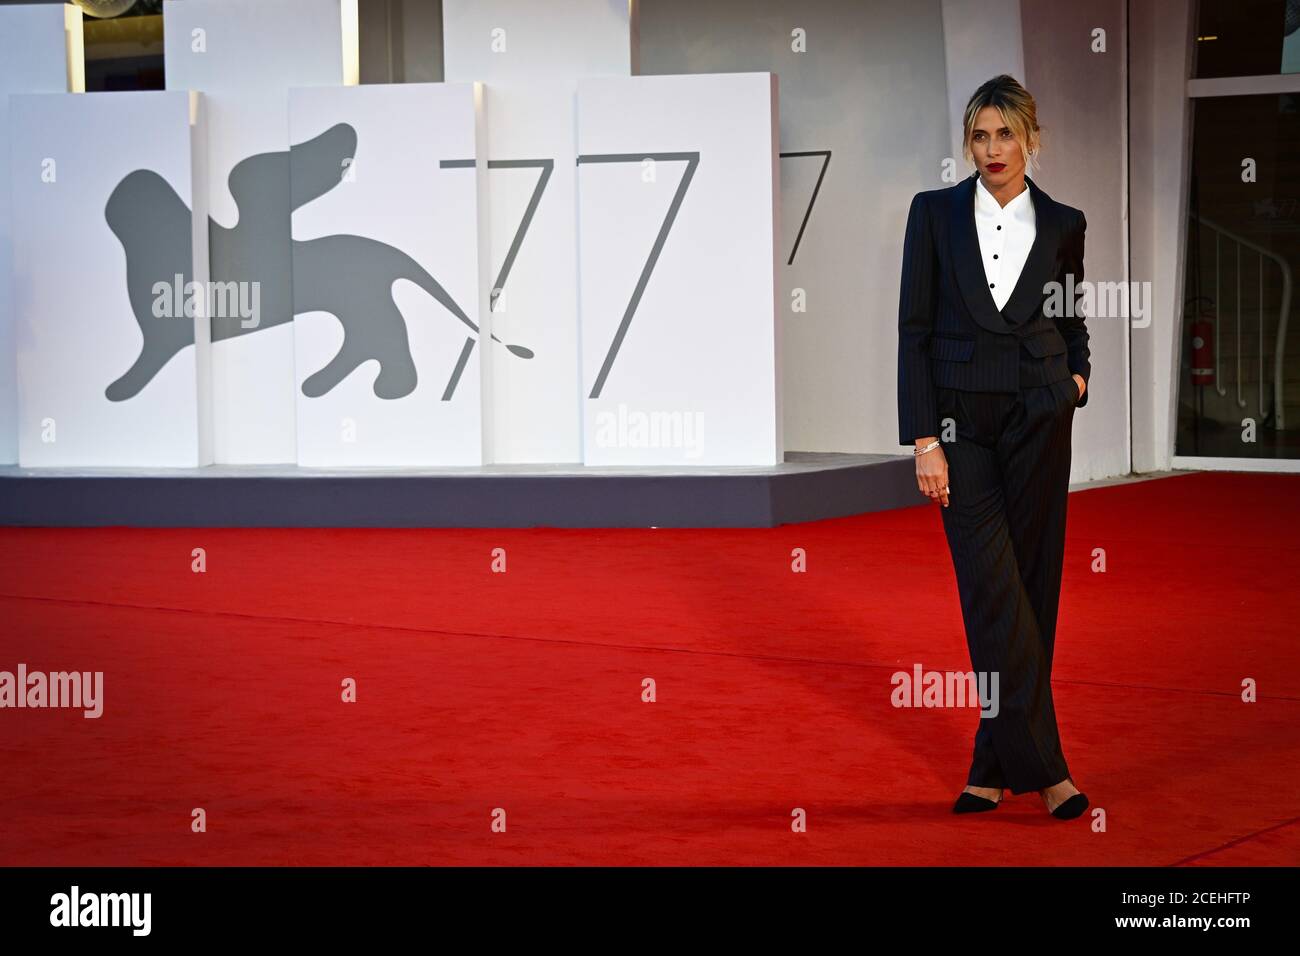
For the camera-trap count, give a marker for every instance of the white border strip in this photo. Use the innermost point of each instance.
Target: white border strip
(1245, 85)
(1282, 465)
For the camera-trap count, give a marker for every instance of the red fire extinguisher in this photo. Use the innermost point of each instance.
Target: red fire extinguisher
(1202, 352)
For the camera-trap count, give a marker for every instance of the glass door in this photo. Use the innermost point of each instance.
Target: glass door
(1239, 374)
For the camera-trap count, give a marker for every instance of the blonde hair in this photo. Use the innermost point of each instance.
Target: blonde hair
(1018, 111)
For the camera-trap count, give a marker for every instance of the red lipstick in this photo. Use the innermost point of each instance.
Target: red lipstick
(996, 167)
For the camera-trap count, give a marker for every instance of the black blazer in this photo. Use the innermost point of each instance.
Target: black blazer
(950, 331)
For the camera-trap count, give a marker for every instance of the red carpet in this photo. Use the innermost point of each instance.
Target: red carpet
(522, 691)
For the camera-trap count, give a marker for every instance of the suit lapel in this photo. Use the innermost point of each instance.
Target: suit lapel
(969, 262)
(1040, 264)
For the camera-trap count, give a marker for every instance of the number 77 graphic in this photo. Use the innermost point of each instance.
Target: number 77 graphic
(692, 160)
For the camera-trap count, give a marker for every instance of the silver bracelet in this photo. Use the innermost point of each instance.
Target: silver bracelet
(930, 447)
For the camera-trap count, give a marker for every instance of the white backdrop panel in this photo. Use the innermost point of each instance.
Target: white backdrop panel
(245, 55)
(373, 257)
(102, 190)
(40, 52)
(531, 406)
(530, 56)
(689, 374)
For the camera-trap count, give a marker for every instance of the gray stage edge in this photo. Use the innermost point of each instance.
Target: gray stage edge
(807, 487)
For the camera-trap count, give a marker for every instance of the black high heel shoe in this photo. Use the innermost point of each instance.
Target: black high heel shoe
(1071, 807)
(968, 802)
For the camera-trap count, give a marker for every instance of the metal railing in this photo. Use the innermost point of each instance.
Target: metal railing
(1279, 351)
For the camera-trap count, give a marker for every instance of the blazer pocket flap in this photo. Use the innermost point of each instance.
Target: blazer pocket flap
(1047, 342)
(951, 349)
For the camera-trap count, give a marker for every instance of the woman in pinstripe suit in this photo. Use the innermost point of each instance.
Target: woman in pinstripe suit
(994, 363)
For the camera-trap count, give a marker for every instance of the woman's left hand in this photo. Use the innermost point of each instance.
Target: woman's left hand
(1082, 384)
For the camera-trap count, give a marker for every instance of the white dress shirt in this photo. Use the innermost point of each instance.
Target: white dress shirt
(1005, 235)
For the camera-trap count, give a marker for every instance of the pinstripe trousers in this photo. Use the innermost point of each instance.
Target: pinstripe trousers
(1008, 471)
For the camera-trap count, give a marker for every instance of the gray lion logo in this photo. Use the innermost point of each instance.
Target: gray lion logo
(349, 277)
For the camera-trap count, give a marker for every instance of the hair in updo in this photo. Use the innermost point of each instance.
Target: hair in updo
(1017, 109)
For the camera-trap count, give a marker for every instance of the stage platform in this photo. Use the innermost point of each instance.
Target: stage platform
(808, 486)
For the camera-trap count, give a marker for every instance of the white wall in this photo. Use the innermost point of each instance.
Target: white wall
(1081, 109)
(1163, 32)
(981, 38)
